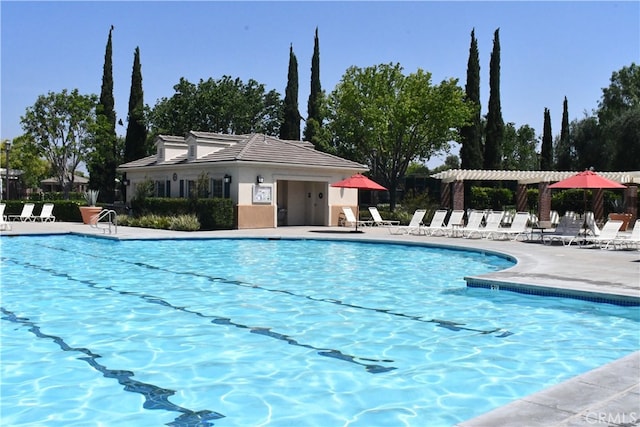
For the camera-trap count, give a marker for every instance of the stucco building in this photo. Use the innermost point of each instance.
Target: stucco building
(271, 182)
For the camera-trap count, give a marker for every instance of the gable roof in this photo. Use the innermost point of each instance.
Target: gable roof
(255, 148)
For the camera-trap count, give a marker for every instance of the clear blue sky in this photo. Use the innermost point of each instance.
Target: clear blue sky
(549, 50)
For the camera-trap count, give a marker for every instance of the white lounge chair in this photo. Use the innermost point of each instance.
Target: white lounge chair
(632, 240)
(437, 222)
(590, 222)
(377, 218)
(46, 214)
(568, 230)
(492, 224)
(351, 219)
(455, 223)
(518, 228)
(4, 225)
(414, 225)
(26, 215)
(474, 224)
(607, 236)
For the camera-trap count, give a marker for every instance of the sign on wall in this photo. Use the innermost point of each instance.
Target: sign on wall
(262, 193)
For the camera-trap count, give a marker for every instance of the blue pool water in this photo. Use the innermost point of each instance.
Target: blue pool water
(256, 332)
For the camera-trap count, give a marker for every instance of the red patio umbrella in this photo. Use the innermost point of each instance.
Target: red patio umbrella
(360, 182)
(586, 180)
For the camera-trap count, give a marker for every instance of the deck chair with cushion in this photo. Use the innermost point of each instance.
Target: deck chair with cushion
(607, 236)
(518, 228)
(568, 230)
(46, 214)
(26, 215)
(414, 227)
(454, 223)
(377, 218)
(350, 218)
(437, 222)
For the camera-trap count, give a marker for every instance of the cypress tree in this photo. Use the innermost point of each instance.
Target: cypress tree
(136, 139)
(314, 116)
(564, 145)
(471, 150)
(290, 128)
(103, 160)
(495, 125)
(546, 152)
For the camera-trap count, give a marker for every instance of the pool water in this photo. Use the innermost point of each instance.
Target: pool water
(254, 332)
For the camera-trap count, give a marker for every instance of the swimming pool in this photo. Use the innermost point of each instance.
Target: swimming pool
(252, 332)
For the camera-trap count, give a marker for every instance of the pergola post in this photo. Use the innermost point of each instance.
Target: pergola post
(521, 198)
(445, 195)
(544, 202)
(597, 203)
(458, 195)
(631, 201)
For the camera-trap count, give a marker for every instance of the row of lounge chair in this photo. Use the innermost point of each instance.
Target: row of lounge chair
(46, 215)
(480, 224)
(568, 230)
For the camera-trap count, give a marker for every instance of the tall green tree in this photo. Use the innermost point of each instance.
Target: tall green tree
(60, 125)
(381, 117)
(103, 160)
(471, 135)
(494, 131)
(290, 128)
(314, 105)
(546, 151)
(587, 140)
(520, 148)
(225, 105)
(618, 117)
(564, 151)
(135, 143)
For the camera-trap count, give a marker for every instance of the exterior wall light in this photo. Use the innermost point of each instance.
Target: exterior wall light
(227, 179)
(259, 179)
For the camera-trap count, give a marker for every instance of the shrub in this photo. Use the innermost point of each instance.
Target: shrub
(184, 223)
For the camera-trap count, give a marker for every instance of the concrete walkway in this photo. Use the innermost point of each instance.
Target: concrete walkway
(607, 396)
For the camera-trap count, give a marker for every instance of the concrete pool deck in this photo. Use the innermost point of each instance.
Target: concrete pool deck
(606, 396)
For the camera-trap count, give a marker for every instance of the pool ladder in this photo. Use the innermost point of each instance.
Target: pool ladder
(111, 221)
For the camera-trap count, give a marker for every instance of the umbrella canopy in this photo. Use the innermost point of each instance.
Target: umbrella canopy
(587, 179)
(360, 182)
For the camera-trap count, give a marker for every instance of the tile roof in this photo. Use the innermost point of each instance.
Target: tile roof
(257, 148)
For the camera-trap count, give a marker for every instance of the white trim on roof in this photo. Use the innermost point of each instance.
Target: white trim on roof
(528, 177)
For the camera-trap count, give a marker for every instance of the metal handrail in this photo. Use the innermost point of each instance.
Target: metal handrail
(112, 220)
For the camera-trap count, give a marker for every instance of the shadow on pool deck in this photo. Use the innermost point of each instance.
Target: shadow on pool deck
(606, 396)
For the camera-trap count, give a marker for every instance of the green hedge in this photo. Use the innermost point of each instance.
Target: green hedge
(213, 214)
(491, 198)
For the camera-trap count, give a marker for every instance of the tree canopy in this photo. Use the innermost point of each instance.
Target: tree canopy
(61, 126)
(226, 105)
(385, 119)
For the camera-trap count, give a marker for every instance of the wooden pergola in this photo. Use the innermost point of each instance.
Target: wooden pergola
(452, 188)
